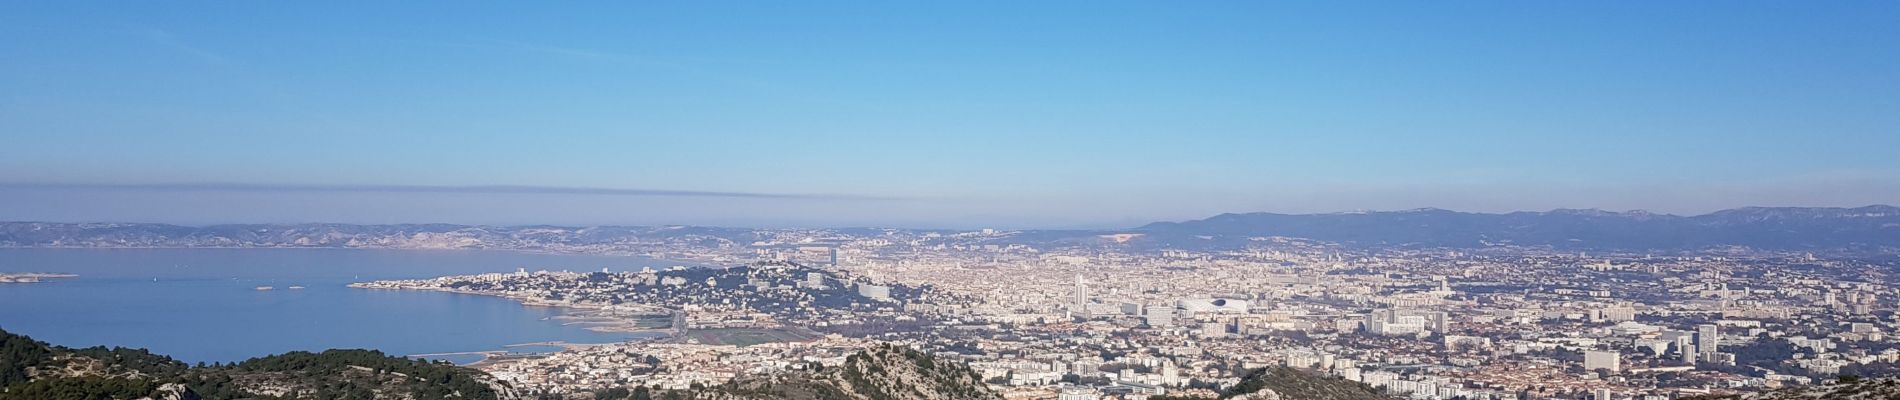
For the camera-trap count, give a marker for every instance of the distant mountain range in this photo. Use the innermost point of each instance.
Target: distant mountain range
(1871, 229)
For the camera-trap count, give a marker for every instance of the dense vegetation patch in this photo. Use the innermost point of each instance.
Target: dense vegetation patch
(30, 369)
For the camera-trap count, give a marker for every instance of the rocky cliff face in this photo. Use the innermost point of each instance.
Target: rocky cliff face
(173, 391)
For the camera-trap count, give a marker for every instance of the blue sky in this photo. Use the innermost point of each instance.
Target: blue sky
(952, 114)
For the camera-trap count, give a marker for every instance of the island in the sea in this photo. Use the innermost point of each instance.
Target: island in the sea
(31, 277)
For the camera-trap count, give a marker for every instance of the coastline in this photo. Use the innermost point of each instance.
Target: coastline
(507, 351)
(223, 278)
(581, 313)
(596, 311)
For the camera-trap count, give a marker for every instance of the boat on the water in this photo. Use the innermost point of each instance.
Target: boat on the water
(265, 288)
(296, 287)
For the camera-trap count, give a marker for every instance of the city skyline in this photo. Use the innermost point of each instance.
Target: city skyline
(974, 200)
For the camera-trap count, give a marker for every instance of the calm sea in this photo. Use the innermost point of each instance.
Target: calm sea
(202, 305)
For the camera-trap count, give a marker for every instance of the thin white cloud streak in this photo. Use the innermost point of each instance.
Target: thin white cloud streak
(167, 40)
(592, 55)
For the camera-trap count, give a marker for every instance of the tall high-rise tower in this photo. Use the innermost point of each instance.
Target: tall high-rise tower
(1081, 294)
(1707, 339)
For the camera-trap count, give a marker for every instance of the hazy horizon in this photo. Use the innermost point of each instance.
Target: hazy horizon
(1047, 115)
(174, 204)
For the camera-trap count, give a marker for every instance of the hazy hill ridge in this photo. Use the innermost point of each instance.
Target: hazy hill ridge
(1769, 228)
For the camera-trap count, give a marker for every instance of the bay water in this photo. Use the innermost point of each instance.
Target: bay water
(204, 304)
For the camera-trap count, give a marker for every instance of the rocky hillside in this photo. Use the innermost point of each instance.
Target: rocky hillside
(34, 370)
(1868, 389)
(882, 373)
(1283, 383)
